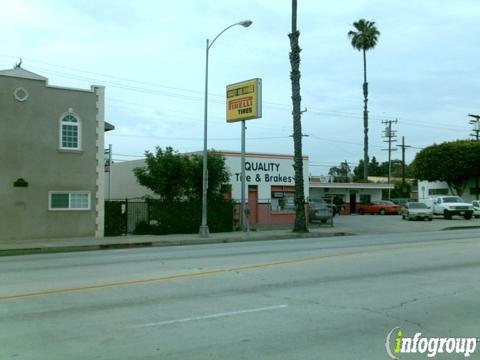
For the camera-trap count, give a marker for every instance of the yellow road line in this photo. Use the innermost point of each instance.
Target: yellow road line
(194, 275)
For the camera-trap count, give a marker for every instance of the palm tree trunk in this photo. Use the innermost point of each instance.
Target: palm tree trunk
(365, 119)
(300, 224)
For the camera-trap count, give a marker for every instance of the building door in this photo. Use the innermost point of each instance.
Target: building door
(253, 204)
(353, 203)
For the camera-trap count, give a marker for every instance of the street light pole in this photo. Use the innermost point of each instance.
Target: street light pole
(204, 227)
(204, 232)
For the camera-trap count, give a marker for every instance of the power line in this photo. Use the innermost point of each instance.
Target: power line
(269, 104)
(193, 139)
(115, 77)
(279, 106)
(340, 141)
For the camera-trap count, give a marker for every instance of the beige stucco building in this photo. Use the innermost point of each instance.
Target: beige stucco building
(52, 158)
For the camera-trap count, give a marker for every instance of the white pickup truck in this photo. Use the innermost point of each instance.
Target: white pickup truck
(449, 206)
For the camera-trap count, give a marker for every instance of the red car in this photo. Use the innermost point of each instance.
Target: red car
(379, 207)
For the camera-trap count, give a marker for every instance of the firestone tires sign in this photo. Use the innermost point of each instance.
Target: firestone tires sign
(244, 100)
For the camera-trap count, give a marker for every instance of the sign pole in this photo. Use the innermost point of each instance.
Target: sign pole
(244, 102)
(242, 205)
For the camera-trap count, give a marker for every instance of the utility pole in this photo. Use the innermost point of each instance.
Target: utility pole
(108, 167)
(476, 132)
(476, 126)
(390, 135)
(404, 185)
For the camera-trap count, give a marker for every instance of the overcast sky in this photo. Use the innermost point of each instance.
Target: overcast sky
(150, 55)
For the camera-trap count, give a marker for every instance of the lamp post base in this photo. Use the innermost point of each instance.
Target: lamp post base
(203, 232)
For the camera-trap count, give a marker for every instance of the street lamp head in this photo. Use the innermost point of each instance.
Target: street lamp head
(245, 23)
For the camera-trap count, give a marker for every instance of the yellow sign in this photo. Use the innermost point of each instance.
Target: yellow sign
(244, 100)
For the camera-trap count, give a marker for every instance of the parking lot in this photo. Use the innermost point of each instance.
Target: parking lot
(389, 224)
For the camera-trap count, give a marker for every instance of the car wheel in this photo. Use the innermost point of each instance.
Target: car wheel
(430, 219)
(382, 212)
(447, 215)
(361, 212)
(467, 216)
(403, 217)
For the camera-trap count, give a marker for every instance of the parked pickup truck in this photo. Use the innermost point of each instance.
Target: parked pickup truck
(449, 206)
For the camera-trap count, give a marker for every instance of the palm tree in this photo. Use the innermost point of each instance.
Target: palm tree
(300, 225)
(364, 38)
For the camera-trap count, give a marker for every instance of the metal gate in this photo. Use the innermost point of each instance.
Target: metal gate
(136, 212)
(123, 216)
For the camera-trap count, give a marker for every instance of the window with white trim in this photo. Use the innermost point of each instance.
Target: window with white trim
(70, 132)
(69, 200)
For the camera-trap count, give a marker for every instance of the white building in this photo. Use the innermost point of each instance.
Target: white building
(270, 180)
(349, 194)
(428, 189)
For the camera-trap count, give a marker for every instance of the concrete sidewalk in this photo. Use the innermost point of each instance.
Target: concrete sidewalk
(33, 246)
(343, 225)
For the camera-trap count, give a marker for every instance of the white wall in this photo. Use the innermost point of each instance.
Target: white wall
(124, 182)
(375, 194)
(425, 186)
(264, 171)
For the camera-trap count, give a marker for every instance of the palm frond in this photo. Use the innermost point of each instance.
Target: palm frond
(366, 36)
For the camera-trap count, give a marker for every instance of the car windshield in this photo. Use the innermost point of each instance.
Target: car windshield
(452, 199)
(417, 206)
(476, 203)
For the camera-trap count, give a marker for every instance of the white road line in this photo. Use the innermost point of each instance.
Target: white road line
(213, 316)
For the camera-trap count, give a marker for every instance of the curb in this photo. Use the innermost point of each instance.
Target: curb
(164, 243)
(461, 227)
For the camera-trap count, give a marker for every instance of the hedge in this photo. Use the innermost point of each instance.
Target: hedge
(184, 217)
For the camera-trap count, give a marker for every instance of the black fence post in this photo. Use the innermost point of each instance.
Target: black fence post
(148, 212)
(126, 216)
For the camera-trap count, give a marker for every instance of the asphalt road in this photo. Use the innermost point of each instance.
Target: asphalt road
(327, 298)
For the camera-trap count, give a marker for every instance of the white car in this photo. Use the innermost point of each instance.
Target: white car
(476, 208)
(449, 206)
(416, 210)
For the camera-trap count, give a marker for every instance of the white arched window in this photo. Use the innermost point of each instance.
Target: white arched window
(70, 132)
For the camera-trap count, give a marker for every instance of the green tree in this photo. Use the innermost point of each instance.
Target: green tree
(300, 223)
(374, 167)
(165, 173)
(340, 173)
(218, 175)
(364, 38)
(454, 162)
(396, 168)
(358, 172)
(175, 176)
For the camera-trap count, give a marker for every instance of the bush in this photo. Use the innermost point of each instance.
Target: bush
(142, 228)
(184, 217)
